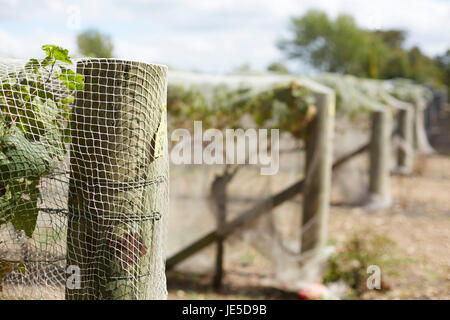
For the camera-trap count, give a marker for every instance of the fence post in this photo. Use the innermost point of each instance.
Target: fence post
(405, 153)
(220, 198)
(319, 153)
(118, 191)
(380, 148)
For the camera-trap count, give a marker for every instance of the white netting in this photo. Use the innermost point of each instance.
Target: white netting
(198, 193)
(84, 179)
(354, 95)
(276, 234)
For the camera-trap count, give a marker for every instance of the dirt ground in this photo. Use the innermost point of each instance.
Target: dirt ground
(418, 223)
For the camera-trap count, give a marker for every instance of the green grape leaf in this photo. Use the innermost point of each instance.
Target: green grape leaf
(24, 158)
(33, 131)
(33, 65)
(70, 79)
(25, 216)
(6, 206)
(57, 53)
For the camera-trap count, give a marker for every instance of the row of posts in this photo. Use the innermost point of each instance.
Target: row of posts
(409, 128)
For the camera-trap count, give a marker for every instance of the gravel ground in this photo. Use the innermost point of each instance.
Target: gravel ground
(418, 223)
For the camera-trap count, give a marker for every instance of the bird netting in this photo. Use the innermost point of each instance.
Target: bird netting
(259, 100)
(201, 195)
(83, 178)
(276, 235)
(354, 95)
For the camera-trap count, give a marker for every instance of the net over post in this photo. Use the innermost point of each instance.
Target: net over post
(379, 171)
(421, 143)
(405, 154)
(118, 194)
(319, 154)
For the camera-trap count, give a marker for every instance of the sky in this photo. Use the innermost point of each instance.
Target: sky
(205, 35)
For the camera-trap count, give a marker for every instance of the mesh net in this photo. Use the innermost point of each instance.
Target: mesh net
(84, 180)
(354, 95)
(274, 235)
(84, 173)
(195, 198)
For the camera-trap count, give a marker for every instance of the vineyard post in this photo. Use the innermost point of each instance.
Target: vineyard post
(114, 233)
(405, 153)
(319, 153)
(219, 195)
(379, 154)
(421, 143)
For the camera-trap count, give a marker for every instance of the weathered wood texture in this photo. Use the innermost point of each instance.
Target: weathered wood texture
(118, 182)
(248, 216)
(219, 197)
(251, 214)
(319, 154)
(379, 171)
(421, 143)
(405, 152)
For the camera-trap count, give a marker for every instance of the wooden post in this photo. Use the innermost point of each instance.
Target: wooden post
(421, 143)
(219, 198)
(380, 148)
(118, 181)
(405, 153)
(218, 276)
(319, 153)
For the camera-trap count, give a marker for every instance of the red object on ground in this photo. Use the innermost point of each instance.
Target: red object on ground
(313, 292)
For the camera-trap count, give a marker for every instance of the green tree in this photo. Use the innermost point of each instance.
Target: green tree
(443, 64)
(394, 39)
(423, 68)
(341, 46)
(92, 43)
(396, 63)
(331, 45)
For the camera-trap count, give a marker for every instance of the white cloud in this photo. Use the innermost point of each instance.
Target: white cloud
(29, 45)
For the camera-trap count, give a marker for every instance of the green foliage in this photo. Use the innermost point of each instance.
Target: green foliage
(335, 46)
(277, 67)
(288, 107)
(393, 39)
(422, 68)
(56, 53)
(92, 43)
(71, 79)
(33, 129)
(187, 105)
(443, 63)
(341, 46)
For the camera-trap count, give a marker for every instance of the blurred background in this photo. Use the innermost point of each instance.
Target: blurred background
(368, 39)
